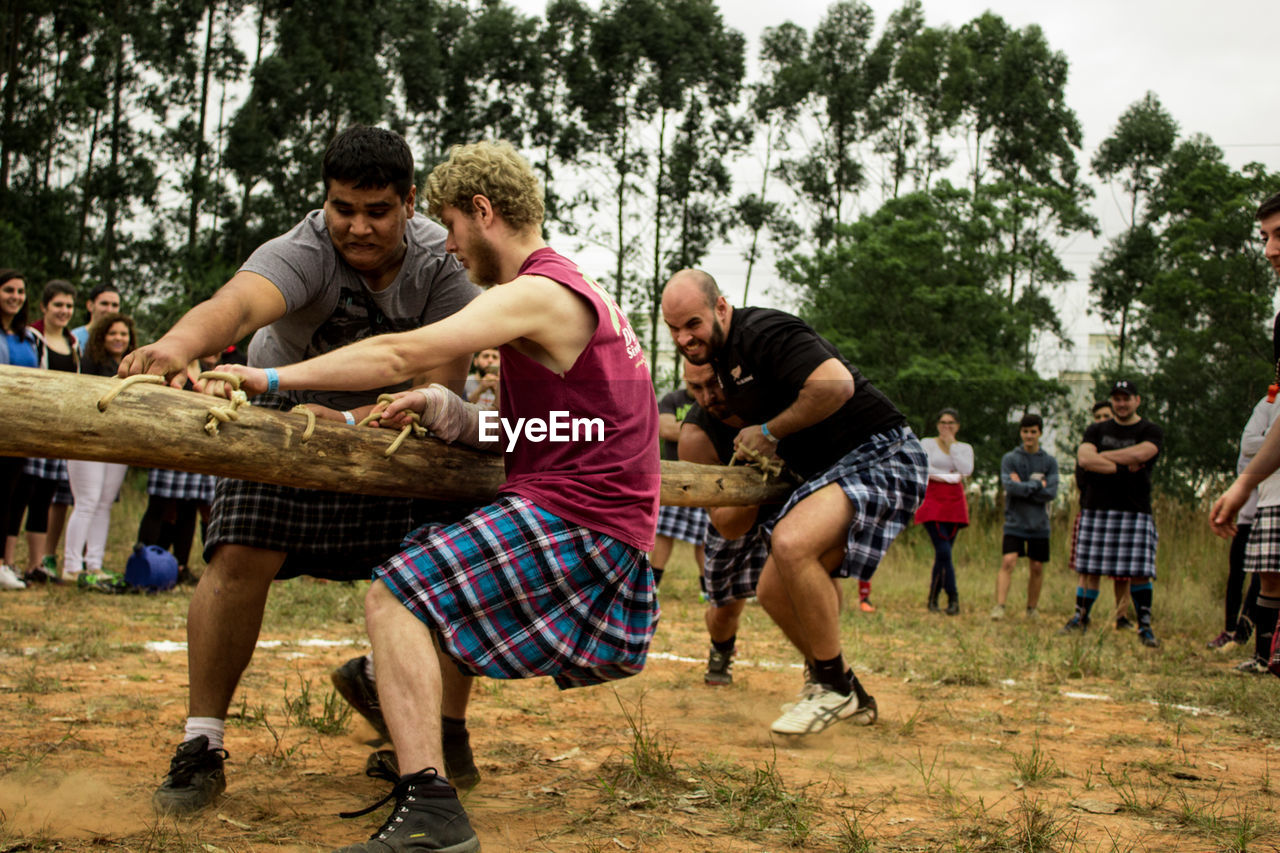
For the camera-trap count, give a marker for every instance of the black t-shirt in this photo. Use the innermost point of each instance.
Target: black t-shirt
(678, 403)
(1123, 490)
(58, 361)
(762, 366)
(720, 433)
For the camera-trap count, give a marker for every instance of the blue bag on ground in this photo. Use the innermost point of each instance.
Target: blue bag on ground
(151, 567)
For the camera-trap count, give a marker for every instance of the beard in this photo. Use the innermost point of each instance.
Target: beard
(485, 268)
(713, 346)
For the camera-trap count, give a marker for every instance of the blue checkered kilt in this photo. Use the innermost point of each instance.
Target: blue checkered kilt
(1116, 543)
(52, 469)
(1262, 551)
(686, 523)
(733, 565)
(513, 591)
(181, 485)
(885, 479)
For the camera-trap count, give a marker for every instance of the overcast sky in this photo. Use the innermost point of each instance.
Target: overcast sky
(1208, 62)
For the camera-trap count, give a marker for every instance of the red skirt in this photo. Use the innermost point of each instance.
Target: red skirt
(944, 502)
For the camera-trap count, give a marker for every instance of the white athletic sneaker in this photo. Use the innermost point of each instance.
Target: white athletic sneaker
(9, 578)
(810, 689)
(997, 613)
(817, 711)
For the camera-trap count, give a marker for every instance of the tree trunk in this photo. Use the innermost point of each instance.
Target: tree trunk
(54, 414)
(197, 171)
(10, 92)
(655, 293)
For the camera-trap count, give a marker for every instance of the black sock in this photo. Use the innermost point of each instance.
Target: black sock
(831, 673)
(1264, 624)
(1084, 602)
(863, 696)
(657, 575)
(726, 646)
(1142, 594)
(453, 726)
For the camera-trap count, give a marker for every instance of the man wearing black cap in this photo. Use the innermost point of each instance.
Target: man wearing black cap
(1117, 532)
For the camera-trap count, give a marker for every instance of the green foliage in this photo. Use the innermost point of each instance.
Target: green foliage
(918, 264)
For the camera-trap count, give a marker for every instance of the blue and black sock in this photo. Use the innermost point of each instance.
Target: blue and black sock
(1142, 593)
(1084, 602)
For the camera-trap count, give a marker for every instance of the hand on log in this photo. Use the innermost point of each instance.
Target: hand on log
(161, 359)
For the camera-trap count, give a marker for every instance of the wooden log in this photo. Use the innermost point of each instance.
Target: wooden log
(54, 414)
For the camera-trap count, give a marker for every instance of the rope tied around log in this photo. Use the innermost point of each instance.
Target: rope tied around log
(414, 426)
(301, 409)
(223, 414)
(768, 466)
(141, 378)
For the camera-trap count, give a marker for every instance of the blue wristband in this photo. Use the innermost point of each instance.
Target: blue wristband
(764, 428)
(273, 380)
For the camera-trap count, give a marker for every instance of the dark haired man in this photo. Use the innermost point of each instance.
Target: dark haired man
(1030, 480)
(1262, 555)
(103, 299)
(1117, 531)
(362, 265)
(863, 469)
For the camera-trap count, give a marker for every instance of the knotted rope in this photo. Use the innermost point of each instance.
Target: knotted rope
(768, 466)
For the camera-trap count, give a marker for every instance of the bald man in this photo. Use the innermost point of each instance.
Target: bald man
(863, 471)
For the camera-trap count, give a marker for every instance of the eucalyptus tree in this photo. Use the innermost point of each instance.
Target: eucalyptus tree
(1135, 153)
(826, 172)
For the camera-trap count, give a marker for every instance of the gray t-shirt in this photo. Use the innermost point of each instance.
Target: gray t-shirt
(329, 305)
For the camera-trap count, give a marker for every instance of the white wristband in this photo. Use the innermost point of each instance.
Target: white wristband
(350, 418)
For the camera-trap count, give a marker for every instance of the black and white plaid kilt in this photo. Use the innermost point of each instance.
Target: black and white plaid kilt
(885, 479)
(53, 469)
(733, 566)
(514, 591)
(686, 523)
(181, 485)
(1262, 551)
(325, 534)
(1116, 543)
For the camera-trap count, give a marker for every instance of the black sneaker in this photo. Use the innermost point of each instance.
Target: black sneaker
(1148, 638)
(195, 778)
(361, 694)
(1075, 624)
(459, 763)
(1244, 630)
(427, 818)
(719, 668)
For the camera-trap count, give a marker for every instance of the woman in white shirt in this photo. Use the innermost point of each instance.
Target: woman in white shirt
(945, 510)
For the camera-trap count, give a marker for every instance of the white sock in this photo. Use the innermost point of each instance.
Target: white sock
(210, 727)
(368, 669)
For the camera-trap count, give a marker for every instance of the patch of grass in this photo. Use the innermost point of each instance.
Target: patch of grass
(757, 800)
(331, 718)
(1139, 801)
(32, 681)
(648, 761)
(1036, 766)
(851, 837)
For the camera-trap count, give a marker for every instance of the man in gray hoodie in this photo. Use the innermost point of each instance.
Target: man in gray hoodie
(1030, 480)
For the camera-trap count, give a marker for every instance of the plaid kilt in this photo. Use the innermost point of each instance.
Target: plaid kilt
(513, 591)
(181, 485)
(885, 479)
(1262, 551)
(686, 523)
(733, 566)
(1116, 543)
(53, 469)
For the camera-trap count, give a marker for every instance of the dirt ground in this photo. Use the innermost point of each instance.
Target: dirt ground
(94, 699)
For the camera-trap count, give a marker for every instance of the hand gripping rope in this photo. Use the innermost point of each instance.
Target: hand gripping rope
(768, 467)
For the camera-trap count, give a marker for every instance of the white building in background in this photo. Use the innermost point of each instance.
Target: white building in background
(1100, 349)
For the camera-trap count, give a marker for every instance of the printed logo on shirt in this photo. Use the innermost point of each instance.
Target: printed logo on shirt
(738, 378)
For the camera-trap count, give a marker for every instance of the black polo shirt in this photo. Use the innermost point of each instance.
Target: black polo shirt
(765, 360)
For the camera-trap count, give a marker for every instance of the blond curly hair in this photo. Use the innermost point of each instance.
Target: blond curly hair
(494, 170)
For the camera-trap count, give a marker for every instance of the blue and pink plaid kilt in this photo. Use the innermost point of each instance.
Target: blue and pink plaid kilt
(181, 485)
(513, 591)
(733, 566)
(686, 523)
(1116, 543)
(1262, 550)
(885, 479)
